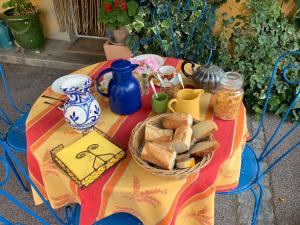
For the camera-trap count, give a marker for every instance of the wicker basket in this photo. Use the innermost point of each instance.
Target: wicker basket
(136, 144)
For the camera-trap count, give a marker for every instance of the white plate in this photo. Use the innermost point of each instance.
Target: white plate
(159, 59)
(168, 83)
(56, 85)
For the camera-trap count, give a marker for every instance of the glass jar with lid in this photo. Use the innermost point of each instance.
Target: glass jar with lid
(229, 96)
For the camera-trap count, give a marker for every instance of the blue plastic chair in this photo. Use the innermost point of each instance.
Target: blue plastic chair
(251, 174)
(71, 214)
(119, 218)
(15, 135)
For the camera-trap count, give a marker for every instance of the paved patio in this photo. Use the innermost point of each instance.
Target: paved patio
(281, 204)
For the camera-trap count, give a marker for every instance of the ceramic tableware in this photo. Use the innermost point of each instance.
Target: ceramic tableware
(124, 91)
(206, 77)
(56, 85)
(105, 81)
(160, 103)
(6, 39)
(81, 109)
(187, 101)
(143, 57)
(167, 72)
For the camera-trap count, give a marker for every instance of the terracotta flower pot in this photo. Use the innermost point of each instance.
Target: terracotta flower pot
(121, 34)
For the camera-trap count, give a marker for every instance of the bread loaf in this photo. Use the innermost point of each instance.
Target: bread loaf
(182, 138)
(161, 155)
(182, 157)
(176, 120)
(204, 148)
(188, 163)
(203, 129)
(156, 134)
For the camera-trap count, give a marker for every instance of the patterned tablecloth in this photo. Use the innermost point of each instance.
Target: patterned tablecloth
(127, 187)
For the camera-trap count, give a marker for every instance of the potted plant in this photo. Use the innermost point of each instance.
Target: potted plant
(116, 14)
(22, 17)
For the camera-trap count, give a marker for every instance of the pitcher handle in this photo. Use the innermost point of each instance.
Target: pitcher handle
(98, 78)
(174, 100)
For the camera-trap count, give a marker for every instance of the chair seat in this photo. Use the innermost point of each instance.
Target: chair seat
(16, 135)
(119, 218)
(249, 171)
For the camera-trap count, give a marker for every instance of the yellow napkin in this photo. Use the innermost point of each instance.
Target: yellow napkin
(86, 159)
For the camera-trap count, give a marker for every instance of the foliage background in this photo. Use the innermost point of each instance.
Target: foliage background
(255, 46)
(249, 44)
(143, 30)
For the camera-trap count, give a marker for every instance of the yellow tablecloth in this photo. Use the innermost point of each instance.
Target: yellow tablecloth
(127, 187)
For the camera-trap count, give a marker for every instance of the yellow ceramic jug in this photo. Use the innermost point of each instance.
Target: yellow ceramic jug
(187, 101)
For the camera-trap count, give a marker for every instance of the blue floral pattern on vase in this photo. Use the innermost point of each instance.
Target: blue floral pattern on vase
(81, 110)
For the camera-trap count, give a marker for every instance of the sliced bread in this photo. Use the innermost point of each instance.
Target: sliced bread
(182, 157)
(188, 163)
(204, 148)
(161, 155)
(203, 129)
(176, 120)
(156, 134)
(182, 139)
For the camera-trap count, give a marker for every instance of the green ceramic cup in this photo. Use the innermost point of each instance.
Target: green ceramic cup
(160, 104)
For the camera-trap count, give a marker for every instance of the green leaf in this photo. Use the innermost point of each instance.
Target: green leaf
(123, 18)
(132, 8)
(138, 25)
(274, 102)
(5, 5)
(166, 24)
(282, 109)
(297, 104)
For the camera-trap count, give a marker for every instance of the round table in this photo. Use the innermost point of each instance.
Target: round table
(127, 187)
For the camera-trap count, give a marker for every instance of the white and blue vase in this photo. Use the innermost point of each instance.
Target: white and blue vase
(81, 110)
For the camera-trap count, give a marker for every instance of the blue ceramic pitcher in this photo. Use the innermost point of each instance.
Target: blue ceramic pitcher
(123, 89)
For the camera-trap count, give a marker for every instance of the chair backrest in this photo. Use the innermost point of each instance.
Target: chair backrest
(4, 118)
(271, 145)
(173, 35)
(71, 214)
(8, 95)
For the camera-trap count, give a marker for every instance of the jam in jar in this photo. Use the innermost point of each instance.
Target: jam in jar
(229, 96)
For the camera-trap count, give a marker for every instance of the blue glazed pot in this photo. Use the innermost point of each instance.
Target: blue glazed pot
(6, 40)
(81, 110)
(123, 89)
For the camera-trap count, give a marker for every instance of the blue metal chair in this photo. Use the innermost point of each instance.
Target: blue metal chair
(119, 218)
(251, 174)
(15, 135)
(71, 214)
